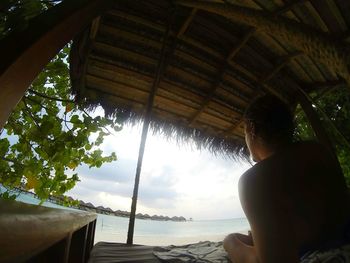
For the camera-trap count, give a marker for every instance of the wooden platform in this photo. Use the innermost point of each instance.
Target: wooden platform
(105, 252)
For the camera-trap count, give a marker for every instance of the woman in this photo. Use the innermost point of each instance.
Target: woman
(295, 197)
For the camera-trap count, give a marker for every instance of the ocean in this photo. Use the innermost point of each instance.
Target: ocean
(150, 232)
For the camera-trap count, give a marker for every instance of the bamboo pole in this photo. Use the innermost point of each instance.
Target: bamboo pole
(25, 53)
(160, 70)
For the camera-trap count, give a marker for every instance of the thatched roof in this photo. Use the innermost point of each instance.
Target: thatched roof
(206, 60)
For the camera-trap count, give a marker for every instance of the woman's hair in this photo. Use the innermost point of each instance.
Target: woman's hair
(272, 119)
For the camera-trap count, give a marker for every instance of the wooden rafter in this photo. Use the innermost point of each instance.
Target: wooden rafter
(217, 83)
(253, 78)
(233, 128)
(187, 23)
(94, 27)
(209, 96)
(323, 84)
(241, 43)
(315, 44)
(283, 62)
(190, 41)
(288, 7)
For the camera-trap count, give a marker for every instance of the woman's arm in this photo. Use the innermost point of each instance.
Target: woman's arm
(270, 219)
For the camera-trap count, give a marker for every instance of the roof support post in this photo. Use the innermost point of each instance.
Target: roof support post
(315, 122)
(160, 70)
(25, 53)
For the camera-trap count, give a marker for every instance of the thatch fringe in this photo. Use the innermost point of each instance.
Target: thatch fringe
(315, 44)
(232, 147)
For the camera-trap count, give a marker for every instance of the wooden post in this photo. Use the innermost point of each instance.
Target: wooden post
(90, 239)
(160, 70)
(24, 54)
(78, 246)
(315, 122)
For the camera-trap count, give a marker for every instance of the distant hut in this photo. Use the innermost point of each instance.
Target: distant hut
(90, 206)
(147, 216)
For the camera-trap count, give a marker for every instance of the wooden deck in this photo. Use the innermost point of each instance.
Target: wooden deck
(106, 252)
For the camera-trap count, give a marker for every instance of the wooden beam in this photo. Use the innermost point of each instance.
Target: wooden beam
(288, 7)
(94, 27)
(24, 54)
(198, 44)
(241, 43)
(187, 22)
(251, 76)
(323, 84)
(209, 96)
(217, 83)
(315, 122)
(283, 62)
(316, 44)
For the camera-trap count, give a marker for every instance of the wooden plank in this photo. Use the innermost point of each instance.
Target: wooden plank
(119, 75)
(214, 121)
(35, 229)
(224, 112)
(126, 54)
(78, 246)
(112, 99)
(188, 77)
(117, 33)
(118, 89)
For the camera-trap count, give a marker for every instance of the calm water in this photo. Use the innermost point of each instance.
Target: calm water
(148, 232)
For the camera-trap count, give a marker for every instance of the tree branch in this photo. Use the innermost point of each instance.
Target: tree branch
(48, 97)
(106, 129)
(29, 113)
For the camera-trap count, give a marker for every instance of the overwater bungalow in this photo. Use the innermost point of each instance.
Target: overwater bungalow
(186, 69)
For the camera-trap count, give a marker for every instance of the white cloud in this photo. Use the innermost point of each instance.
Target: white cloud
(174, 180)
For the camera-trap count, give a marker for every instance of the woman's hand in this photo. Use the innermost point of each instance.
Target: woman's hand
(240, 248)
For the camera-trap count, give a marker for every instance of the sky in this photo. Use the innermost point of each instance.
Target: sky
(176, 180)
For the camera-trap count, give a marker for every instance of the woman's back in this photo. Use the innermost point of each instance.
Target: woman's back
(295, 197)
(307, 184)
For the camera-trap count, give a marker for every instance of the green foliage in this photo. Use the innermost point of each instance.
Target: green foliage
(15, 14)
(334, 111)
(53, 136)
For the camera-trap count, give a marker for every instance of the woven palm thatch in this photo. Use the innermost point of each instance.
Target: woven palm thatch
(205, 61)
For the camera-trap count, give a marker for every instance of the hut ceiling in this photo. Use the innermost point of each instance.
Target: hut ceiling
(207, 60)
